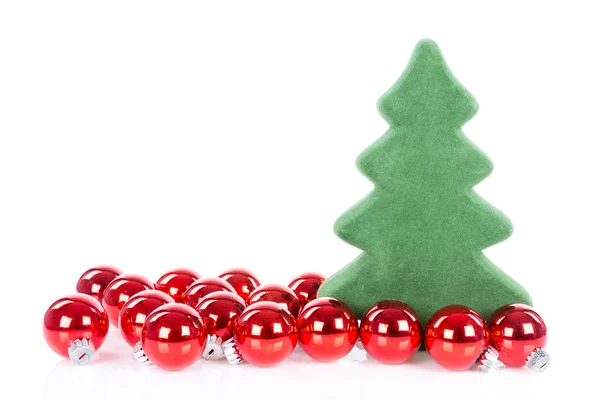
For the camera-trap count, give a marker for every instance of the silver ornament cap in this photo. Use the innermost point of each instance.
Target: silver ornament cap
(213, 350)
(139, 355)
(231, 352)
(81, 351)
(488, 360)
(538, 360)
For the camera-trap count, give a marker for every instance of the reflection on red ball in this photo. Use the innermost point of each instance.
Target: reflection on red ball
(265, 334)
(327, 329)
(390, 331)
(73, 317)
(203, 286)
(455, 337)
(243, 281)
(136, 310)
(94, 281)
(277, 294)
(176, 282)
(515, 331)
(220, 311)
(305, 286)
(173, 336)
(119, 291)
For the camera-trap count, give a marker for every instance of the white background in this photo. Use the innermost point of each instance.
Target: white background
(151, 135)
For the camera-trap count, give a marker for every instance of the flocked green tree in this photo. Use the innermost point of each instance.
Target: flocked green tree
(423, 227)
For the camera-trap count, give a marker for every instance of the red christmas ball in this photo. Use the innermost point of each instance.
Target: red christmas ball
(242, 280)
(327, 329)
(119, 291)
(277, 294)
(305, 286)
(219, 312)
(390, 331)
(173, 336)
(176, 282)
(516, 331)
(94, 281)
(75, 327)
(265, 334)
(455, 337)
(134, 313)
(204, 286)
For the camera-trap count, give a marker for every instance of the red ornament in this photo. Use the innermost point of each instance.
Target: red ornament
(173, 336)
(390, 331)
(517, 331)
(219, 312)
(277, 294)
(455, 337)
(119, 291)
(204, 286)
(134, 313)
(327, 329)
(243, 281)
(306, 286)
(94, 281)
(176, 282)
(264, 335)
(75, 327)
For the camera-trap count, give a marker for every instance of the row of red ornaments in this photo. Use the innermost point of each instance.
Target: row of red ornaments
(174, 336)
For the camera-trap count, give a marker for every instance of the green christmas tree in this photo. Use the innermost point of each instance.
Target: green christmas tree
(423, 228)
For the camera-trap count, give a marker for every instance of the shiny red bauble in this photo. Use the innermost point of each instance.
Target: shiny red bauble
(204, 286)
(455, 337)
(265, 334)
(516, 330)
(73, 318)
(243, 281)
(390, 331)
(94, 281)
(136, 310)
(176, 282)
(327, 329)
(173, 336)
(279, 294)
(305, 286)
(120, 290)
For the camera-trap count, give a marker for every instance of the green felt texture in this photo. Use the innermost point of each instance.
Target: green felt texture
(423, 228)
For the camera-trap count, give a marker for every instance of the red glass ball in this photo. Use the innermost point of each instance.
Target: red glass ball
(136, 310)
(176, 282)
(455, 337)
(119, 291)
(515, 331)
(204, 286)
(173, 336)
(94, 281)
(327, 329)
(243, 281)
(390, 331)
(73, 317)
(265, 334)
(277, 294)
(305, 286)
(220, 311)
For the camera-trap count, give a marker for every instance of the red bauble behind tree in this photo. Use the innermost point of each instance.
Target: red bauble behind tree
(455, 337)
(327, 329)
(305, 286)
(176, 282)
(243, 281)
(277, 294)
(173, 336)
(94, 281)
(75, 327)
(136, 310)
(203, 286)
(119, 291)
(390, 331)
